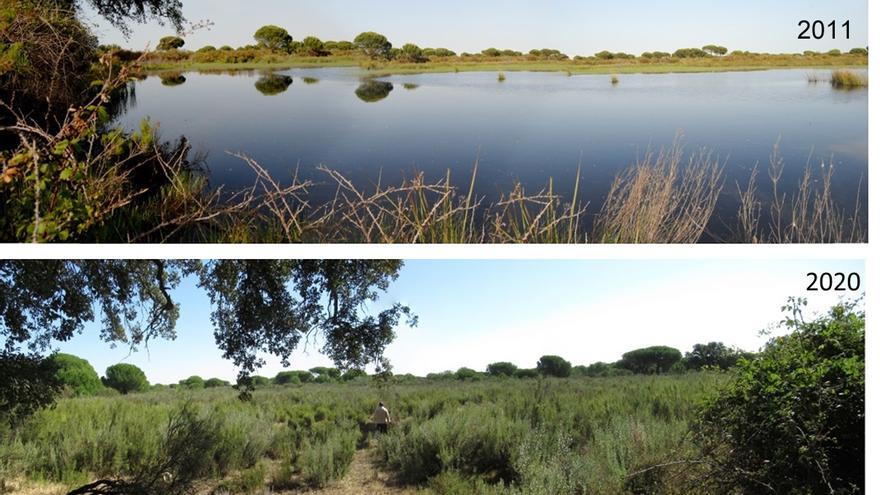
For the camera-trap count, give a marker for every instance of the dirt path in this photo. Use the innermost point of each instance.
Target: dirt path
(365, 477)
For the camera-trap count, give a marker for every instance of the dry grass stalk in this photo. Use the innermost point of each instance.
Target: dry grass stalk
(660, 201)
(810, 215)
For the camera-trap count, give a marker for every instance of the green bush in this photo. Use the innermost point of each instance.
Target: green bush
(288, 378)
(326, 461)
(215, 382)
(554, 366)
(170, 43)
(273, 38)
(501, 369)
(77, 375)
(125, 378)
(473, 440)
(373, 45)
(650, 360)
(793, 420)
(192, 383)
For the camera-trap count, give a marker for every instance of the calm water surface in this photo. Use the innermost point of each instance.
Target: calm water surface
(528, 128)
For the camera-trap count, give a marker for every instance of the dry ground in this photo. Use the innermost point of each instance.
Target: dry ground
(364, 477)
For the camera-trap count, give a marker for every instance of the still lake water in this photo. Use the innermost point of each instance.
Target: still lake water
(530, 127)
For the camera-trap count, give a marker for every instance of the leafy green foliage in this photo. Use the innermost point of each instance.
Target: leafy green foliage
(655, 359)
(269, 306)
(715, 49)
(526, 373)
(120, 12)
(554, 366)
(287, 378)
(600, 369)
(170, 43)
(547, 54)
(29, 383)
(373, 45)
(192, 383)
(793, 419)
(313, 47)
(353, 374)
(77, 374)
(467, 374)
(501, 369)
(48, 301)
(689, 53)
(328, 460)
(412, 53)
(215, 382)
(126, 378)
(273, 38)
(713, 354)
(259, 306)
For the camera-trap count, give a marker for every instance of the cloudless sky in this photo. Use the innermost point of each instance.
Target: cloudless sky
(473, 313)
(577, 27)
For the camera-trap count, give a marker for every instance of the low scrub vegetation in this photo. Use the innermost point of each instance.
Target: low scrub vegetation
(848, 79)
(788, 418)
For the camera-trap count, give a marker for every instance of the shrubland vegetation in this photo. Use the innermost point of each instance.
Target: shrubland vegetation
(274, 46)
(653, 422)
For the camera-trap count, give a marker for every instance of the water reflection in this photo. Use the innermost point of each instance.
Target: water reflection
(372, 91)
(534, 126)
(273, 84)
(172, 79)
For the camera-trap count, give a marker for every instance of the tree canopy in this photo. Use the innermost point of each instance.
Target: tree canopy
(259, 306)
(77, 374)
(715, 49)
(373, 45)
(170, 43)
(120, 12)
(273, 37)
(126, 378)
(412, 53)
(650, 360)
(313, 46)
(194, 382)
(502, 368)
(713, 354)
(554, 366)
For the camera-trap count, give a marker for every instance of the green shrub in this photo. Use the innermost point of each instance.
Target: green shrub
(554, 366)
(793, 420)
(77, 375)
(126, 378)
(326, 461)
(473, 440)
(192, 383)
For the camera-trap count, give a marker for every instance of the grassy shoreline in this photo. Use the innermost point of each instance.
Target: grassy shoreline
(569, 67)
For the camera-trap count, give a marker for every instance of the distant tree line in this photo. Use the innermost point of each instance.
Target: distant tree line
(376, 46)
(645, 361)
(79, 378)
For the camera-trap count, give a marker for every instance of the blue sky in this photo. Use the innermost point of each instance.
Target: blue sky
(476, 312)
(573, 26)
